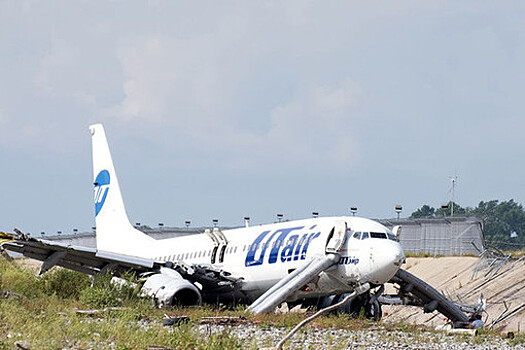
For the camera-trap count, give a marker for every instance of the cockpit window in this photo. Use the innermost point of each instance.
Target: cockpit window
(381, 235)
(392, 236)
(365, 235)
(357, 235)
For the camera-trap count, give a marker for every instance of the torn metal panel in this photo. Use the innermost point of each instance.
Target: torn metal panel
(51, 261)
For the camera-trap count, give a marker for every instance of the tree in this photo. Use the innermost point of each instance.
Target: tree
(425, 211)
(458, 210)
(502, 219)
(504, 222)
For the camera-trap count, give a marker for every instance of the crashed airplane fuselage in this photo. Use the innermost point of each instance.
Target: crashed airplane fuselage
(265, 264)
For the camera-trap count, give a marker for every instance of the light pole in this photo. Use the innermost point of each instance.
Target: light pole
(444, 206)
(398, 208)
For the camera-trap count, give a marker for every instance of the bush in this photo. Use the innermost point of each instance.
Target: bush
(19, 279)
(65, 283)
(104, 293)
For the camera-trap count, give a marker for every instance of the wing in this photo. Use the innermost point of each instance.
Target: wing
(82, 259)
(213, 282)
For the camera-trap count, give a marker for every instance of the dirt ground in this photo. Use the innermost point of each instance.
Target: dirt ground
(464, 280)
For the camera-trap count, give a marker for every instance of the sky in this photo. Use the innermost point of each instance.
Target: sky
(225, 109)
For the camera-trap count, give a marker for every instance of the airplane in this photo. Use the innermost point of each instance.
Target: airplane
(318, 258)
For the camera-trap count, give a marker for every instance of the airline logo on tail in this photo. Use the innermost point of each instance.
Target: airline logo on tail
(101, 190)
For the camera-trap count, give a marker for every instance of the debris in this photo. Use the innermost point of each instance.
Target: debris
(22, 344)
(98, 311)
(297, 309)
(223, 320)
(285, 309)
(507, 335)
(175, 320)
(282, 309)
(506, 316)
(6, 294)
(472, 332)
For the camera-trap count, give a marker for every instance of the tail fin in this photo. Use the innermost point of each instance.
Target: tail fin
(114, 231)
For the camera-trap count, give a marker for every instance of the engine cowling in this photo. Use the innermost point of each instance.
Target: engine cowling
(169, 288)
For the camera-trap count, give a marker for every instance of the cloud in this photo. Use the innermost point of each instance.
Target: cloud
(3, 116)
(317, 124)
(84, 70)
(315, 128)
(170, 82)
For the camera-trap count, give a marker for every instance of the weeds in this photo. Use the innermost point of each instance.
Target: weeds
(45, 317)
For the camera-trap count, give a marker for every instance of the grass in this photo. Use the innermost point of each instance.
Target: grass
(515, 253)
(42, 315)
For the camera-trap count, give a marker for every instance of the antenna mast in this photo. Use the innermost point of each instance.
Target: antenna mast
(453, 179)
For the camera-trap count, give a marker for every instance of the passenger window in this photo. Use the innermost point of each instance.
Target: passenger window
(365, 235)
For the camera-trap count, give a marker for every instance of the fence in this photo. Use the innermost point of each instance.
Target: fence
(443, 236)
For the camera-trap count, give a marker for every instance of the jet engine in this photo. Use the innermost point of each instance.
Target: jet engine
(169, 288)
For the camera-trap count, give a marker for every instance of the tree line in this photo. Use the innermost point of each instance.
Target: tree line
(504, 222)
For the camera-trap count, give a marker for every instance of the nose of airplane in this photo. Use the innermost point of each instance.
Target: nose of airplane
(389, 257)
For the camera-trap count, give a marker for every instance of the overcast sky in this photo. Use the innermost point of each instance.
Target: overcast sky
(222, 109)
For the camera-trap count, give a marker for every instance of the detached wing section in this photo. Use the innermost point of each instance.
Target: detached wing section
(81, 259)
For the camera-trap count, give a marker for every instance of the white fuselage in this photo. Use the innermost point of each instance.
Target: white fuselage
(263, 255)
(260, 255)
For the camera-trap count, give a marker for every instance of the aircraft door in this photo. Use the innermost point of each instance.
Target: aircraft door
(338, 238)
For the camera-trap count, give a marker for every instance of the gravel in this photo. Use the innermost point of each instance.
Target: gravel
(257, 337)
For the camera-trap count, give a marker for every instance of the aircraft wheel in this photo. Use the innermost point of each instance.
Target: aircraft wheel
(365, 306)
(373, 310)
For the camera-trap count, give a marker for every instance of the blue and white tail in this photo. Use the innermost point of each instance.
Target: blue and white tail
(114, 233)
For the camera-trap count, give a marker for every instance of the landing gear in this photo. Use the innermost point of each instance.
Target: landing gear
(365, 304)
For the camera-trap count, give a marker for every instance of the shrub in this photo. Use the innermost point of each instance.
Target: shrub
(65, 283)
(104, 293)
(19, 279)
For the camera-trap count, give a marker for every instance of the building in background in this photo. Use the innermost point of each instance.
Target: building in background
(440, 236)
